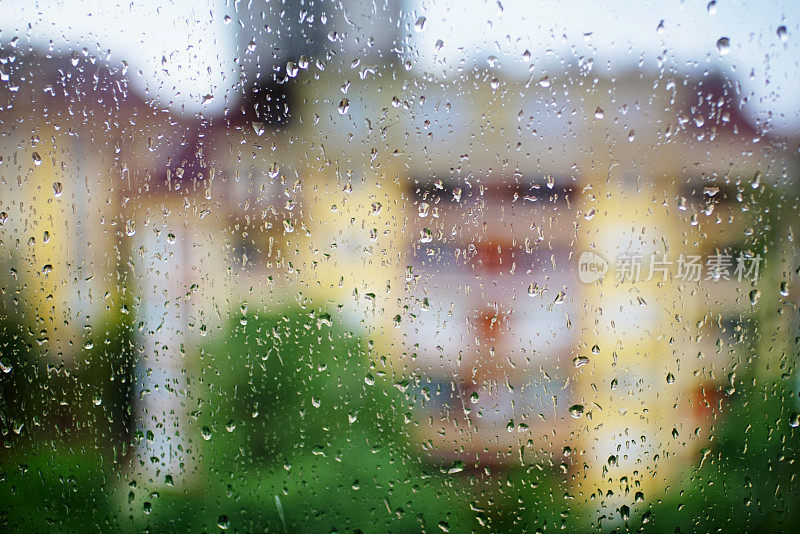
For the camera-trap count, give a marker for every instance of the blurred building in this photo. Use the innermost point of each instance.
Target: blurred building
(462, 207)
(60, 199)
(446, 220)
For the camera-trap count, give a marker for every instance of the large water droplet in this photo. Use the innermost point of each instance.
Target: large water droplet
(533, 289)
(723, 46)
(784, 289)
(624, 512)
(794, 420)
(580, 361)
(755, 295)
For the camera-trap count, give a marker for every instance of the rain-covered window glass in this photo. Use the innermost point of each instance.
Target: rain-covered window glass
(399, 266)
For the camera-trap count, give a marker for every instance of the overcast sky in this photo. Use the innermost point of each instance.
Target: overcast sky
(621, 33)
(186, 49)
(183, 48)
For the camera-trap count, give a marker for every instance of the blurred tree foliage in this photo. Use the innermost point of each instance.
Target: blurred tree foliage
(64, 426)
(42, 395)
(296, 429)
(748, 480)
(303, 435)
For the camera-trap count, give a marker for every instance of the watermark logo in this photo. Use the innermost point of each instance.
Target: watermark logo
(591, 267)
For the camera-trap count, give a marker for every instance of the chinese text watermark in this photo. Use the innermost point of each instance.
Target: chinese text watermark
(660, 267)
